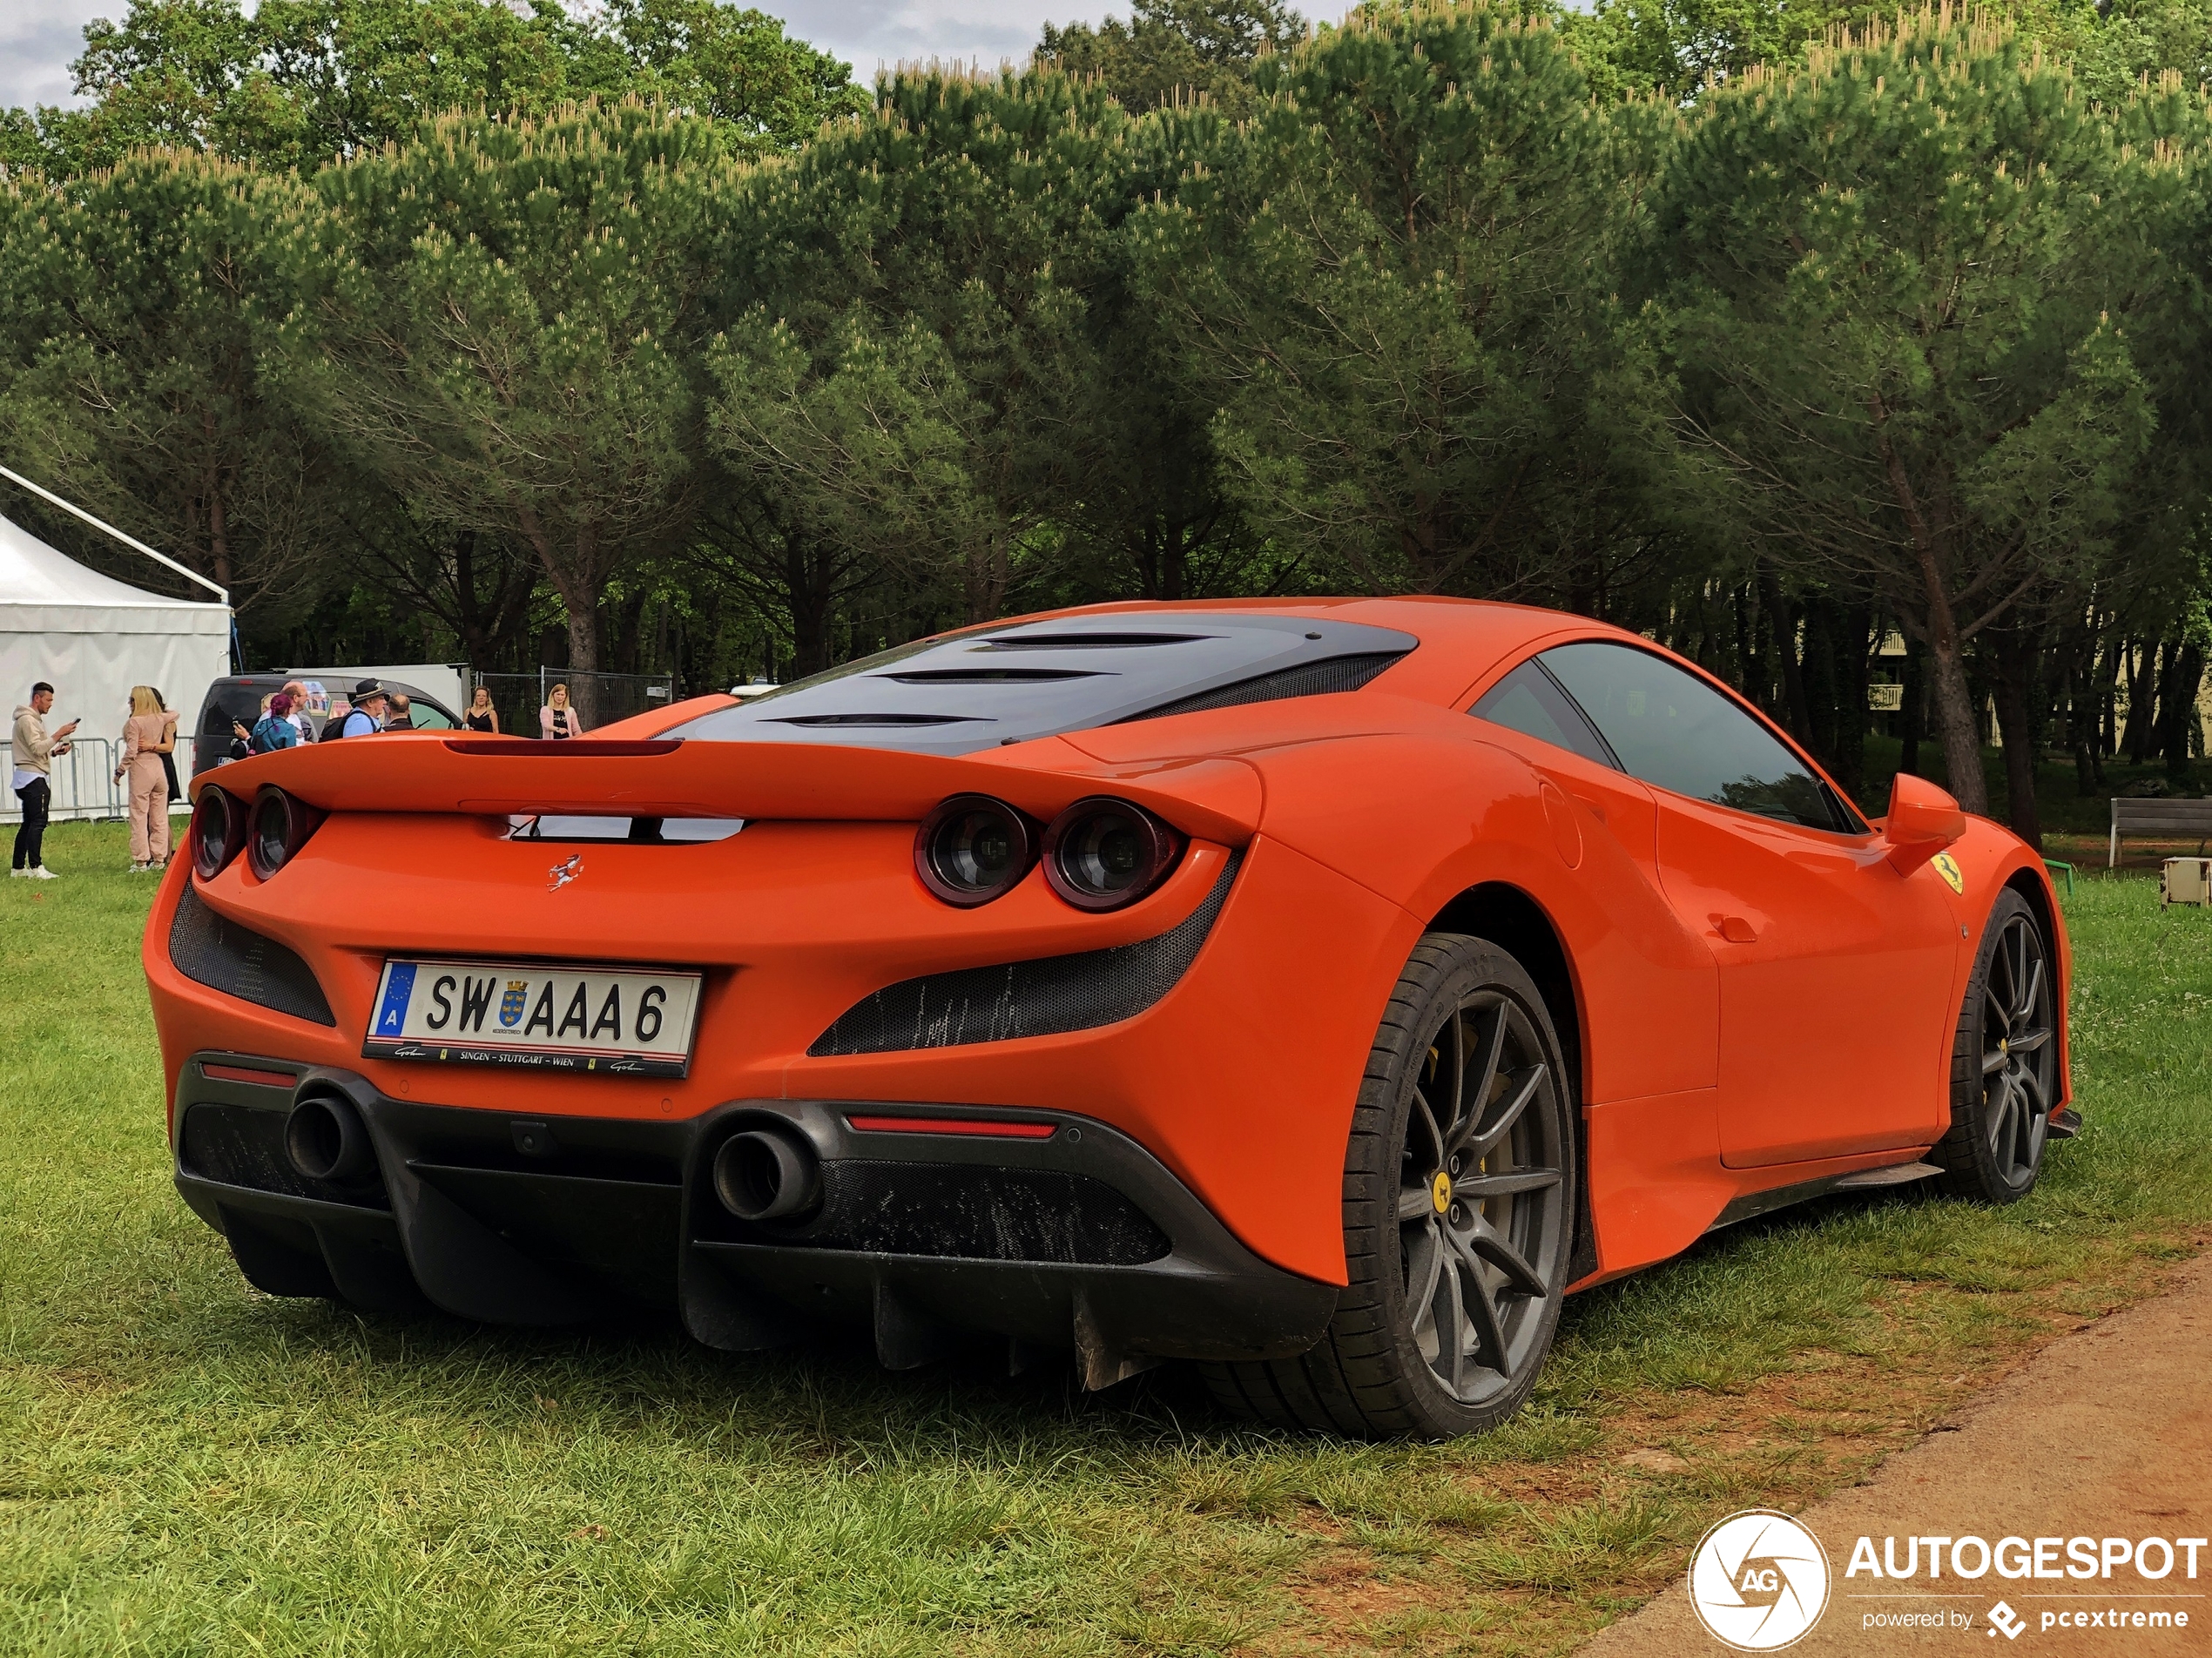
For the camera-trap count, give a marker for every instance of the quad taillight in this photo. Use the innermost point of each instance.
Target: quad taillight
(218, 832)
(973, 849)
(268, 833)
(278, 828)
(1101, 853)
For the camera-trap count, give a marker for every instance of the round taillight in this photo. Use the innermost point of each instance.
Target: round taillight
(973, 849)
(278, 828)
(1102, 853)
(218, 830)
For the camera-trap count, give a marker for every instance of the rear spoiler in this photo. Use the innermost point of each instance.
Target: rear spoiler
(420, 772)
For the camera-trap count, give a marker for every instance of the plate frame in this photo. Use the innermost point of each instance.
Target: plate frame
(563, 1062)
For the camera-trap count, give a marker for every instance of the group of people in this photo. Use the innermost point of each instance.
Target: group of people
(149, 748)
(373, 708)
(148, 760)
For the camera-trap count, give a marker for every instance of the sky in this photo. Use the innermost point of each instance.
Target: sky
(39, 38)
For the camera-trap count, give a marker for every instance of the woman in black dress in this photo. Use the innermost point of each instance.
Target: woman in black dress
(481, 715)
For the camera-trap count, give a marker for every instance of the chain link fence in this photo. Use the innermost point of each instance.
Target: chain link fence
(598, 698)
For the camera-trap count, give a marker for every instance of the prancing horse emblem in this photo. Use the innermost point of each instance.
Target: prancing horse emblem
(563, 874)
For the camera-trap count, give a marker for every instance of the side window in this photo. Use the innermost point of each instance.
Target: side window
(428, 718)
(1674, 730)
(1527, 701)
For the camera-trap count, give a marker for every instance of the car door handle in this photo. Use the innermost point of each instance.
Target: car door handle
(1735, 929)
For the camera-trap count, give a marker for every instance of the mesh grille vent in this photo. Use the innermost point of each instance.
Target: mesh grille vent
(1308, 680)
(243, 1145)
(971, 1212)
(210, 949)
(1042, 998)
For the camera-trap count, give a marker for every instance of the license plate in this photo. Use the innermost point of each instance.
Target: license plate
(619, 1022)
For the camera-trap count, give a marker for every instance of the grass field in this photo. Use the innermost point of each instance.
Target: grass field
(187, 1466)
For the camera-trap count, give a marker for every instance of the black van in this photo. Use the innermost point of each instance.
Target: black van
(239, 697)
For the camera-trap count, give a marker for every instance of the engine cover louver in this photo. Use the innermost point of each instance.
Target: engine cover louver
(1047, 997)
(211, 950)
(1308, 679)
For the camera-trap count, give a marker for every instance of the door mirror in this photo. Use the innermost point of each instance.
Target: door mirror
(1922, 821)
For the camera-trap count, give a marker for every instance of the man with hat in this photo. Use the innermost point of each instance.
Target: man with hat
(365, 717)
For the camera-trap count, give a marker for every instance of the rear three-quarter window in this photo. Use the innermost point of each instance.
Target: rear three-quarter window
(1673, 729)
(1527, 700)
(988, 686)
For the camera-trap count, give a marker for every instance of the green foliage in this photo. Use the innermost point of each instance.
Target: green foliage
(502, 321)
(1449, 298)
(302, 82)
(129, 369)
(1386, 282)
(964, 209)
(1172, 51)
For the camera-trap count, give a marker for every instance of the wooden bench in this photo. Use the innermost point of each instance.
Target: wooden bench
(2171, 820)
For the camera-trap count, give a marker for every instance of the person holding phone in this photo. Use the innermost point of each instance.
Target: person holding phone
(33, 748)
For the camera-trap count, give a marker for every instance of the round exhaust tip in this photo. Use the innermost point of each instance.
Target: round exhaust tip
(325, 1139)
(761, 1175)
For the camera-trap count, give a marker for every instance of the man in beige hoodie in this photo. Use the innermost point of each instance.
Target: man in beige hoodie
(31, 750)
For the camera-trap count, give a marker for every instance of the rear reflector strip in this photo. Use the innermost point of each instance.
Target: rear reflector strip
(955, 1125)
(240, 1074)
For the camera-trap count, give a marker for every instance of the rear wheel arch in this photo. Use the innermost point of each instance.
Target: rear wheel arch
(1516, 923)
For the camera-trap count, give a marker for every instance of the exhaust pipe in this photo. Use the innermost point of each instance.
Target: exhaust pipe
(764, 1175)
(325, 1139)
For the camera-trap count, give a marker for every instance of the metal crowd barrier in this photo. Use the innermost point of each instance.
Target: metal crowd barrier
(85, 787)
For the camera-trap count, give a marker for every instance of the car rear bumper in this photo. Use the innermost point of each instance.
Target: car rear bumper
(1075, 1239)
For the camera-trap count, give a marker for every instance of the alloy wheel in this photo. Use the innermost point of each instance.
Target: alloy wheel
(1482, 1198)
(2017, 1057)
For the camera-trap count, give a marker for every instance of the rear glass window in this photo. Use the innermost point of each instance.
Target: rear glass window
(988, 686)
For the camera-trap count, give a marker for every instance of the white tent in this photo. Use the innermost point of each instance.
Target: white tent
(93, 637)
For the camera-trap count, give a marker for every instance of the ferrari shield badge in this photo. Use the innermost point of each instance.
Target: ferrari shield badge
(1948, 867)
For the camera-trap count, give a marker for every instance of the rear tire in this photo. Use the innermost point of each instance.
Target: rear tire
(1459, 1207)
(2004, 1063)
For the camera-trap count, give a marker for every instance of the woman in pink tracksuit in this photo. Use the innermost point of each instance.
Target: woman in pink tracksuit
(149, 733)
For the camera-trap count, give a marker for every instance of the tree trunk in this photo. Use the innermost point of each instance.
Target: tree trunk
(2081, 707)
(2183, 679)
(1782, 630)
(2016, 652)
(1912, 710)
(2142, 701)
(1959, 724)
(811, 600)
(1852, 647)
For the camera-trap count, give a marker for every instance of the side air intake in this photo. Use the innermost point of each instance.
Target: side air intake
(1047, 997)
(1307, 679)
(210, 949)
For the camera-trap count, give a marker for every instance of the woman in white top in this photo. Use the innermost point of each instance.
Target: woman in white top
(557, 720)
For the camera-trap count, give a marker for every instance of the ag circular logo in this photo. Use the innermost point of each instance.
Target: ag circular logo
(1759, 1580)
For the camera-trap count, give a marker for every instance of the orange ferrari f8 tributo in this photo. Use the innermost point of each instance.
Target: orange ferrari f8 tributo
(1319, 991)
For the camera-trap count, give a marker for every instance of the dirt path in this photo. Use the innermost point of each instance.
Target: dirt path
(2106, 1433)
